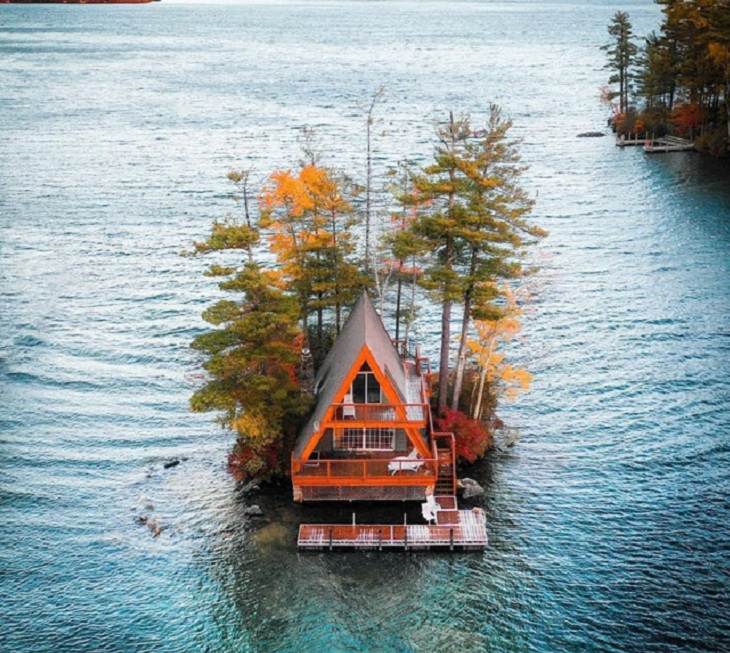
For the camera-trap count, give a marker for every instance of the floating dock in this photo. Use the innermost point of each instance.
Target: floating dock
(652, 145)
(454, 530)
(632, 139)
(669, 144)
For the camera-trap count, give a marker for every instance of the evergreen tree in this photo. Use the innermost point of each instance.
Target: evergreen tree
(251, 356)
(439, 229)
(494, 227)
(683, 76)
(621, 51)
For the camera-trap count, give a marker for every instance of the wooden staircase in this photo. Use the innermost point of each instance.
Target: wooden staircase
(446, 479)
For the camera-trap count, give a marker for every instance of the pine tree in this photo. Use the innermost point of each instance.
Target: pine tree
(621, 51)
(251, 354)
(494, 230)
(439, 229)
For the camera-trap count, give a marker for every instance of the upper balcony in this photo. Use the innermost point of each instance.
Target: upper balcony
(379, 415)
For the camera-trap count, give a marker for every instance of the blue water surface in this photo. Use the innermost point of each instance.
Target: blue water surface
(609, 520)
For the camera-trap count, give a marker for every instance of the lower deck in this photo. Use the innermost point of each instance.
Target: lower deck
(454, 529)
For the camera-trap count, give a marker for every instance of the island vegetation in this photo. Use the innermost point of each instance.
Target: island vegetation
(304, 243)
(678, 80)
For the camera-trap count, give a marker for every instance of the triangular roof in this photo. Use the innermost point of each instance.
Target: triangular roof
(363, 328)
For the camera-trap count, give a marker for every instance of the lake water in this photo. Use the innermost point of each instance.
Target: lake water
(609, 520)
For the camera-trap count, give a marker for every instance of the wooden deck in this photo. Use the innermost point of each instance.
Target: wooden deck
(669, 144)
(454, 530)
(659, 144)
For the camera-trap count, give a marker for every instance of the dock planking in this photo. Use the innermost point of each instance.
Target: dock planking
(455, 530)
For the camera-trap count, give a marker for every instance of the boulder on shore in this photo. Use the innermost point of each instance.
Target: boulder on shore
(154, 527)
(253, 510)
(470, 488)
(251, 487)
(591, 134)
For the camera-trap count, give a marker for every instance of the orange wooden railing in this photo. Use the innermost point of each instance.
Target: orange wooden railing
(377, 413)
(384, 469)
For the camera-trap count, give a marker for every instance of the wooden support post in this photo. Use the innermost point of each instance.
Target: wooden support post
(330, 539)
(380, 539)
(451, 538)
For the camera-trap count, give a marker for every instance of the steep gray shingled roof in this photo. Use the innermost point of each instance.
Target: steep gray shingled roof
(363, 327)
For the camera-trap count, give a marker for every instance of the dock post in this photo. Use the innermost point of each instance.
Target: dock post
(451, 539)
(330, 539)
(405, 531)
(380, 539)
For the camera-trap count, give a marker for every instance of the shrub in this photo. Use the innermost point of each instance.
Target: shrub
(471, 436)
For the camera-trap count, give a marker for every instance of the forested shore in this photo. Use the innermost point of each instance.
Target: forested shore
(305, 242)
(675, 81)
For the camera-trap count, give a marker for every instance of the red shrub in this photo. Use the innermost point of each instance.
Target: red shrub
(686, 117)
(471, 436)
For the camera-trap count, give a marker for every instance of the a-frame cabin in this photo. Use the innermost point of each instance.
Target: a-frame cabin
(370, 435)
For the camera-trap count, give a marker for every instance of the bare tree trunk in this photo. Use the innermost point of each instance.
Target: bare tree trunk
(246, 211)
(727, 111)
(338, 308)
(397, 301)
(482, 382)
(443, 395)
(461, 359)
(369, 174)
(444, 356)
(412, 307)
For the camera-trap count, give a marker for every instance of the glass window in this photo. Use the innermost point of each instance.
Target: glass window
(380, 439)
(359, 388)
(373, 389)
(365, 387)
(371, 439)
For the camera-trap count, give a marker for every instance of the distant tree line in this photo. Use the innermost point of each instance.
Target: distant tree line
(678, 80)
(454, 231)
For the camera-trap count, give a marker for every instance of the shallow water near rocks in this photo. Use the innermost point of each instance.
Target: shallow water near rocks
(608, 520)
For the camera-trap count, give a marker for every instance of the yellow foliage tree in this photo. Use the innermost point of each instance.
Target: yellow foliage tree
(495, 375)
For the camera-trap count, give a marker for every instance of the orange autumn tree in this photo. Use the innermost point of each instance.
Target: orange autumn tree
(308, 216)
(494, 376)
(490, 377)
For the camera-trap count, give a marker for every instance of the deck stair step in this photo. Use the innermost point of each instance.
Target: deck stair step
(446, 501)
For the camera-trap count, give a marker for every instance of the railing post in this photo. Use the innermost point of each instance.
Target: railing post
(405, 531)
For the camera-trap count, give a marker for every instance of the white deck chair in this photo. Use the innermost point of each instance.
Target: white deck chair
(348, 410)
(410, 463)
